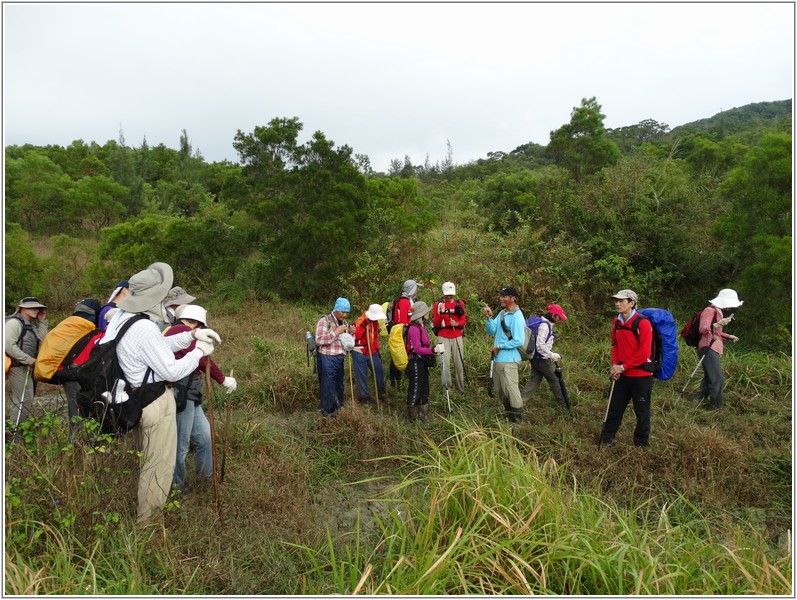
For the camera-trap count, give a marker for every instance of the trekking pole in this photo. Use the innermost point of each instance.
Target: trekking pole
(606, 416)
(351, 380)
(21, 401)
(445, 379)
(212, 438)
(688, 381)
(226, 433)
(373, 369)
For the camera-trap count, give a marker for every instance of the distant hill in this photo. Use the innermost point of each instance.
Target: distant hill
(742, 118)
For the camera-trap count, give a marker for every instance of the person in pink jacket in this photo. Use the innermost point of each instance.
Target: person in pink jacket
(711, 346)
(421, 357)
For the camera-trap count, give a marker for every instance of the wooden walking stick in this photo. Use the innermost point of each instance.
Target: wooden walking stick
(373, 369)
(351, 379)
(226, 433)
(212, 438)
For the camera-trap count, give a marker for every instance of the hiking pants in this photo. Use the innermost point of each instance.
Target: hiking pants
(193, 426)
(713, 381)
(18, 408)
(418, 390)
(505, 381)
(156, 439)
(542, 368)
(362, 370)
(637, 390)
(330, 382)
(71, 389)
(453, 353)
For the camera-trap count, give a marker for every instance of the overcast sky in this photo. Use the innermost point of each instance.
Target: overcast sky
(388, 80)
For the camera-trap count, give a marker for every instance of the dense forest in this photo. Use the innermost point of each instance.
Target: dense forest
(674, 214)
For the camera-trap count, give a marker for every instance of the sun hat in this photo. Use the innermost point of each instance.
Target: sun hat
(30, 302)
(508, 290)
(727, 298)
(555, 309)
(626, 295)
(375, 313)
(410, 287)
(177, 296)
(449, 289)
(420, 309)
(342, 305)
(193, 312)
(148, 288)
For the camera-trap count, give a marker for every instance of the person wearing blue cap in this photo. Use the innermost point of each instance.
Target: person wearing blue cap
(331, 356)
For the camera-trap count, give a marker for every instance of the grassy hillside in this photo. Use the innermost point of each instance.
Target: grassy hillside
(467, 504)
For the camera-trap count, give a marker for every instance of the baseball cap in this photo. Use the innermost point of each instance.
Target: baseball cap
(626, 295)
(508, 290)
(555, 309)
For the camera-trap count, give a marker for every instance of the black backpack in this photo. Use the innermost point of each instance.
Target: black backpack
(99, 379)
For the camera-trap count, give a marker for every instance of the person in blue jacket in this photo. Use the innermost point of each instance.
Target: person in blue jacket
(509, 329)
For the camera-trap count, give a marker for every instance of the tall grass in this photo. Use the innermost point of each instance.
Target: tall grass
(481, 513)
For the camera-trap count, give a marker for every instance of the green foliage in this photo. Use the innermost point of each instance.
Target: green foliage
(23, 269)
(582, 146)
(36, 191)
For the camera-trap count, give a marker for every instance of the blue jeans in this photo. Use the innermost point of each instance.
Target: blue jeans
(192, 424)
(330, 382)
(362, 365)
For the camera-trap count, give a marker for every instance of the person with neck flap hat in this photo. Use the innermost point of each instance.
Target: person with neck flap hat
(509, 329)
(142, 353)
(711, 346)
(448, 322)
(632, 382)
(543, 364)
(331, 355)
(24, 331)
(402, 312)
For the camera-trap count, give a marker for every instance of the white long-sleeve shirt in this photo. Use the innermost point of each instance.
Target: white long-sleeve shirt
(544, 342)
(144, 346)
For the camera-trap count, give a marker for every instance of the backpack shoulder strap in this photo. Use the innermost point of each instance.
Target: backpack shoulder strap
(506, 329)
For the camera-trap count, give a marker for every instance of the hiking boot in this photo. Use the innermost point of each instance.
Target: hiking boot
(381, 395)
(424, 413)
(515, 414)
(412, 413)
(366, 400)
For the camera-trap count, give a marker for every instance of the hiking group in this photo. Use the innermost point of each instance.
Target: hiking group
(136, 364)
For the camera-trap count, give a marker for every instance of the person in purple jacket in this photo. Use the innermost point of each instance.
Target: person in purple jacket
(421, 357)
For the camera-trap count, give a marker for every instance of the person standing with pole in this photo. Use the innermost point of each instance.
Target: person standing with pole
(448, 322)
(630, 380)
(331, 356)
(24, 331)
(711, 346)
(366, 356)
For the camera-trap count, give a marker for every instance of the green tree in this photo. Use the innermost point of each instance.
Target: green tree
(582, 146)
(96, 202)
(23, 270)
(36, 192)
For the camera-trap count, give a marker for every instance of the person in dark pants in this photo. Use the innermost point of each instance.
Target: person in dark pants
(712, 345)
(631, 380)
(331, 355)
(421, 357)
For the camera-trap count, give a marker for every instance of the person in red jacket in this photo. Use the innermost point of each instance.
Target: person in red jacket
(402, 313)
(631, 381)
(448, 322)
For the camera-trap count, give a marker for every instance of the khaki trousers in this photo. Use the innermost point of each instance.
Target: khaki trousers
(453, 348)
(156, 439)
(505, 380)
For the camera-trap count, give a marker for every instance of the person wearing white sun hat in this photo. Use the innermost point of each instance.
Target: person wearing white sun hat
(711, 346)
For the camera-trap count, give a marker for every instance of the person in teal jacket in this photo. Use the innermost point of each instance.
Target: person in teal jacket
(509, 329)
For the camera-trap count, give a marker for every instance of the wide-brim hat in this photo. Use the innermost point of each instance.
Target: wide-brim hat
(420, 309)
(727, 298)
(30, 302)
(410, 287)
(148, 288)
(375, 313)
(178, 296)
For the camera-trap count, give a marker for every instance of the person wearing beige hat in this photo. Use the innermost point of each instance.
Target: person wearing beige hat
(421, 357)
(711, 346)
(176, 297)
(366, 356)
(145, 356)
(24, 331)
(448, 323)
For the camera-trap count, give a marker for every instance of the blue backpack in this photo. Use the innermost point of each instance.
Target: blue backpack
(664, 352)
